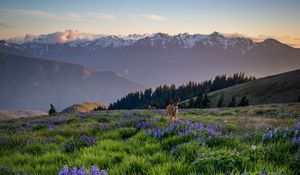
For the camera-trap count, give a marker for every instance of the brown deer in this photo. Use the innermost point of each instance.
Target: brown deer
(172, 111)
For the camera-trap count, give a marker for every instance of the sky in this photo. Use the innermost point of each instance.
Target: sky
(259, 19)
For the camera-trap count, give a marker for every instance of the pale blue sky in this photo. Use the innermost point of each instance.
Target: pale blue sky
(255, 18)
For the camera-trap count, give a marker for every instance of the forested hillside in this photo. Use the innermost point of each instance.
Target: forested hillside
(160, 96)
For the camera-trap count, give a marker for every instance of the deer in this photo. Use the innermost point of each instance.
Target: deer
(172, 111)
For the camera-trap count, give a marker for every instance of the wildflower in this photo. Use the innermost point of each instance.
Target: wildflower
(264, 172)
(263, 137)
(103, 172)
(95, 170)
(73, 171)
(148, 133)
(82, 171)
(88, 140)
(271, 136)
(199, 154)
(64, 170)
(294, 141)
(284, 135)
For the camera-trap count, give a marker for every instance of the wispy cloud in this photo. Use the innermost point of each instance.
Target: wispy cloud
(22, 12)
(5, 25)
(101, 16)
(151, 17)
(91, 16)
(56, 37)
(73, 15)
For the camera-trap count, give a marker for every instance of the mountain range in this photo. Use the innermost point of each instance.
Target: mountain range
(29, 83)
(161, 58)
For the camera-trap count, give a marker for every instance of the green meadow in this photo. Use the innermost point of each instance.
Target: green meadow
(243, 140)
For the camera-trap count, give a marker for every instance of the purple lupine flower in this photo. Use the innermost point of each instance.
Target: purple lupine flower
(282, 173)
(82, 171)
(284, 135)
(74, 171)
(88, 139)
(7, 170)
(148, 132)
(199, 154)
(294, 141)
(64, 170)
(95, 170)
(263, 137)
(271, 136)
(50, 127)
(103, 172)
(264, 172)
(296, 157)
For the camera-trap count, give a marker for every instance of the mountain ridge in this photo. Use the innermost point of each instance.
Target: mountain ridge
(165, 59)
(30, 83)
(185, 39)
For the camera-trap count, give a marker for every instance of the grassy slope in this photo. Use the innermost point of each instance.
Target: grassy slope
(37, 145)
(7, 114)
(281, 88)
(82, 107)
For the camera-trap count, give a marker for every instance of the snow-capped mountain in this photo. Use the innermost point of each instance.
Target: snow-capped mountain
(182, 40)
(162, 58)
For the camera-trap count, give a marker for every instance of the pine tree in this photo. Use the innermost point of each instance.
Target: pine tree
(192, 103)
(198, 102)
(244, 101)
(205, 101)
(221, 100)
(232, 103)
(52, 109)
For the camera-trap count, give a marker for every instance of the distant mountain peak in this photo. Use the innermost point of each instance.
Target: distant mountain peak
(4, 43)
(272, 42)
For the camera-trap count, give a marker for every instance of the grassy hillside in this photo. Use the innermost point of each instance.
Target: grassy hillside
(252, 140)
(280, 88)
(82, 107)
(7, 114)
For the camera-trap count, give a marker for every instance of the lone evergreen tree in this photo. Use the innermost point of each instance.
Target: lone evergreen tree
(206, 101)
(52, 109)
(221, 100)
(232, 103)
(244, 101)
